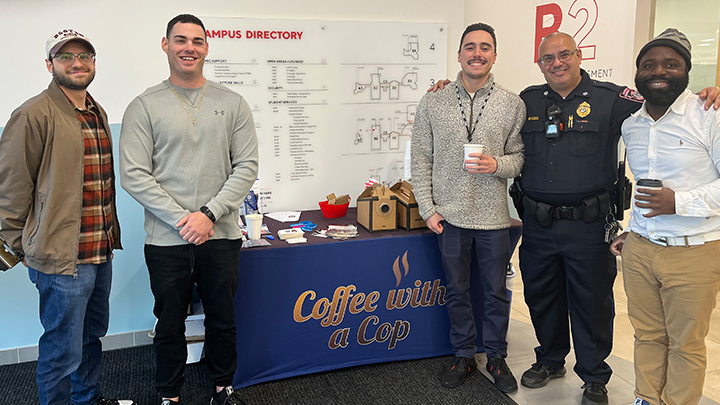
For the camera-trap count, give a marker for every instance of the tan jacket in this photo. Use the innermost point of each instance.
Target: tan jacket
(41, 180)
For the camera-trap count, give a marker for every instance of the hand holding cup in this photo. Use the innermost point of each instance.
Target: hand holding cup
(476, 162)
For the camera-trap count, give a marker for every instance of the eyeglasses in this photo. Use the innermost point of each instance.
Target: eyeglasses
(564, 56)
(85, 58)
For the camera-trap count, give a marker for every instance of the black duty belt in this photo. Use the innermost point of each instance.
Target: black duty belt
(568, 212)
(590, 209)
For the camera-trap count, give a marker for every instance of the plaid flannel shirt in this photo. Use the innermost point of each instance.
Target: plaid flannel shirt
(97, 220)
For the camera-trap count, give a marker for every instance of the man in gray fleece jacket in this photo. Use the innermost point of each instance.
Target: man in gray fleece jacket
(189, 155)
(464, 201)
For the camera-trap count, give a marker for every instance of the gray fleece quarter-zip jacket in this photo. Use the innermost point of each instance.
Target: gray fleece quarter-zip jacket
(172, 167)
(440, 182)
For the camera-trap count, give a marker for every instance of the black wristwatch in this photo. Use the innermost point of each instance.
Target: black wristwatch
(205, 210)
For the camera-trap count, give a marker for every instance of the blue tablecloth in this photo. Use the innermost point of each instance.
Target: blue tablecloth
(330, 304)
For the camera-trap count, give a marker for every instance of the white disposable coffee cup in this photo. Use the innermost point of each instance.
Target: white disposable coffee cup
(254, 226)
(471, 148)
(650, 184)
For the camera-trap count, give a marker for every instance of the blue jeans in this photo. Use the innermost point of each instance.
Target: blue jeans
(74, 312)
(491, 249)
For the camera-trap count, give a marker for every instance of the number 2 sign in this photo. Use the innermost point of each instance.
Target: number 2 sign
(579, 10)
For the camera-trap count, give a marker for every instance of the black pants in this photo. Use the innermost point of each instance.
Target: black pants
(213, 266)
(568, 270)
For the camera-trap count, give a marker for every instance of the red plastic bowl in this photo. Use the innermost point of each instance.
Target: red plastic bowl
(333, 211)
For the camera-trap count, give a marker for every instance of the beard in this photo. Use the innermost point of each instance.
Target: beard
(71, 83)
(662, 98)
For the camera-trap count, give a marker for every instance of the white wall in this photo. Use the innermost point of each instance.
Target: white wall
(127, 38)
(514, 23)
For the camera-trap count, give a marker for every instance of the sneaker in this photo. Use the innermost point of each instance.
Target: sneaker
(105, 401)
(539, 374)
(169, 402)
(640, 401)
(499, 370)
(595, 394)
(456, 374)
(227, 396)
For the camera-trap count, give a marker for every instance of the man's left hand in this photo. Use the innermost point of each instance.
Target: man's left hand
(661, 202)
(196, 228)
(480, 163)
(439, 85)
(711, 95)
(616, 246)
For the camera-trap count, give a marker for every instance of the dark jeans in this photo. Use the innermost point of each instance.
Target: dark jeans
(74, 312)
(568, 270)
(213, 266)
(491, 250)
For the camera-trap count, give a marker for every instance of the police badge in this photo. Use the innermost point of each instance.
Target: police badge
(583, 109)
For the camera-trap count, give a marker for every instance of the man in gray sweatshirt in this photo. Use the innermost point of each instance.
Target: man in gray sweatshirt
(465, 202)
(189, 155)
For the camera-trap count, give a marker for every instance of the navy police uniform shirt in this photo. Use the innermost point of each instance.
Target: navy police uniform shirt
(582, 161)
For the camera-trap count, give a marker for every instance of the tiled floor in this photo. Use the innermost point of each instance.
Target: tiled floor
(521, 341)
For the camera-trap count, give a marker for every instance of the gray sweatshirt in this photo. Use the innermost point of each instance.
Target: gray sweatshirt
(172, 168)
(440, 182)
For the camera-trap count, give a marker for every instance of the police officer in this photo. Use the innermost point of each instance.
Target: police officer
(571, 136)
(570, 199)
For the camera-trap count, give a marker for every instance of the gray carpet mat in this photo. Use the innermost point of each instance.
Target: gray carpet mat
(128, 373)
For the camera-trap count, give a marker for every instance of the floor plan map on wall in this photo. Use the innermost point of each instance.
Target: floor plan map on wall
(333, 101)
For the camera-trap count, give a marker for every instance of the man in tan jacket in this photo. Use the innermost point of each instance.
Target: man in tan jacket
(57, 210)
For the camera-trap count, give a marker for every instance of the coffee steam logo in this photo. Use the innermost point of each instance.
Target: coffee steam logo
(396, 268)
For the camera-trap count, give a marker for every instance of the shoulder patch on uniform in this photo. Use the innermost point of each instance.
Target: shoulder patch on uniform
(632, 95)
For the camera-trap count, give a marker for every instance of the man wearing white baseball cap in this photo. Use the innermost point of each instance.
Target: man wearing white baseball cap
(59, 213)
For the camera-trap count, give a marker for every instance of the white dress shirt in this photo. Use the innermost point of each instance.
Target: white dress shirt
(682, 149)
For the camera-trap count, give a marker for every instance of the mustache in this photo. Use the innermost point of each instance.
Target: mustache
(483, 60)
(664, 97)
(665, 78)
(659, 78)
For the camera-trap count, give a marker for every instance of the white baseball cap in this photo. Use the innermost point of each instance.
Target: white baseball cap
(57, 40)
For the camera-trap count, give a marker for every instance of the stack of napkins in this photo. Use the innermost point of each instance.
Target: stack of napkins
(292, 235)
(339, 232)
